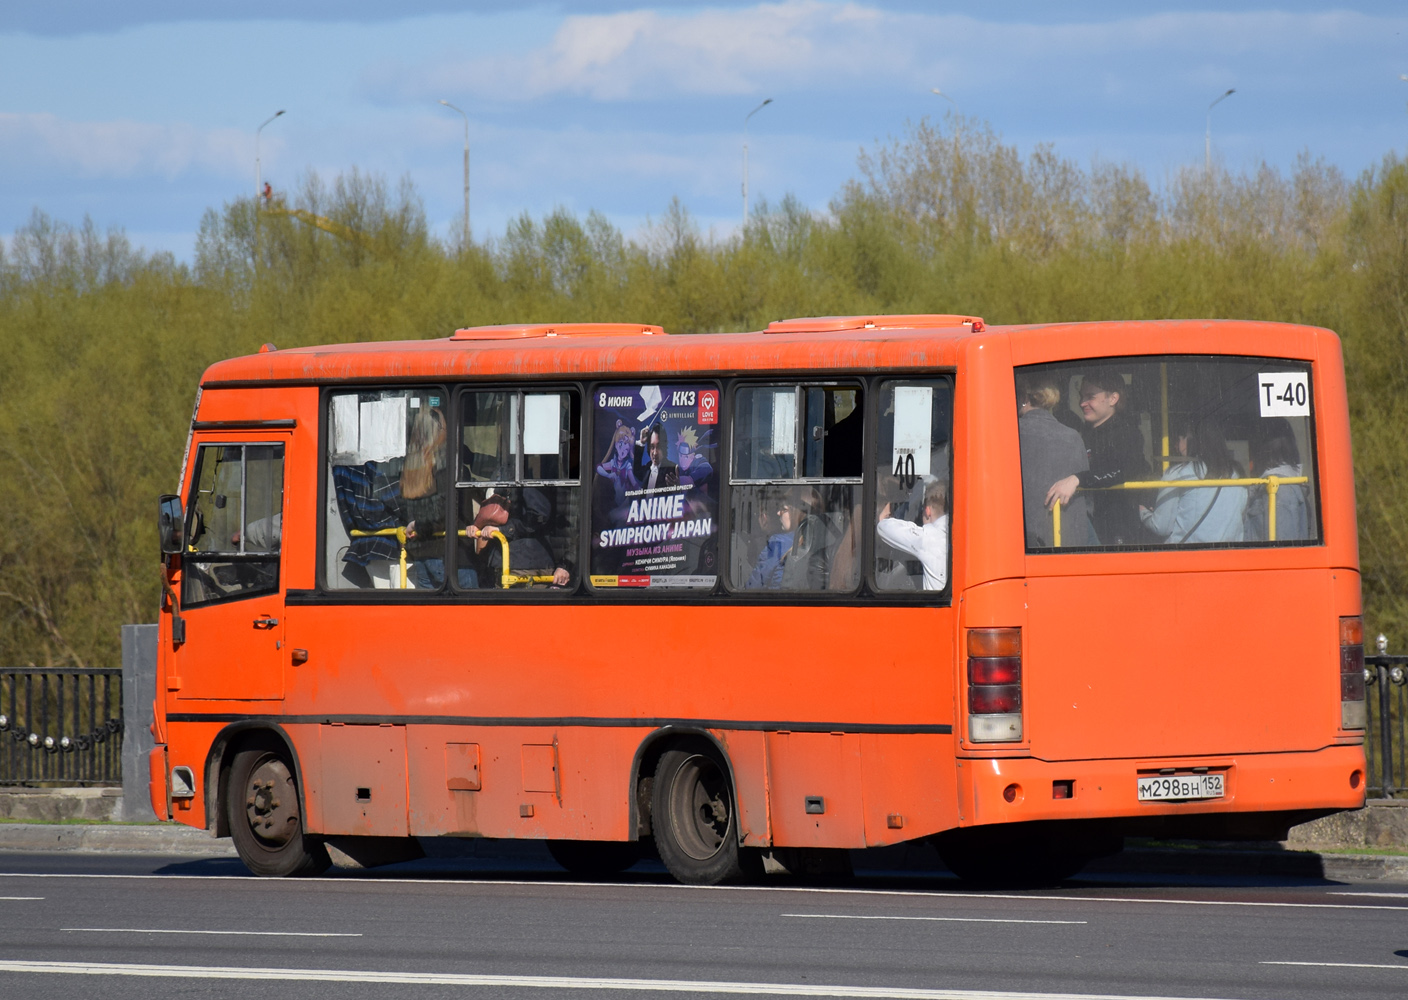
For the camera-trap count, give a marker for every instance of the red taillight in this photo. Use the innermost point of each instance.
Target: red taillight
(995, 670)
(1352, 707)
(994, 684)
(994, 699)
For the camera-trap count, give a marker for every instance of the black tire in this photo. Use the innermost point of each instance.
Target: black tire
(595, 857)
(266, 819)
(991, 857)
(695, 819)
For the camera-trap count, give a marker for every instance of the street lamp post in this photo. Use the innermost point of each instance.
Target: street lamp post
(1207, 136)
(745, 157)
(258, 171)
(466, 169)
(940, 93)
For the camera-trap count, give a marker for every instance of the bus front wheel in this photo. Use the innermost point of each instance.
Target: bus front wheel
(693, 817)
(266, 821)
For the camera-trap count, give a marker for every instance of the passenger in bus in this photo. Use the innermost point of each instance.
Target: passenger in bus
(1050, 451)
(795, 555)
(424, 482)
(844, 444)
(1184, 515)
(767, 571)
(262, 534)
(1274, 453)
(527, 527)
(927, 541)
(368, 500)
(1114, 447)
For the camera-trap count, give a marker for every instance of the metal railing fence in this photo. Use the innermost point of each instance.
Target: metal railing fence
(1386, 731)
(61, 726)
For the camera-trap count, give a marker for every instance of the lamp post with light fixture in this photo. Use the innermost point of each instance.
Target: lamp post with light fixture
(466, 169)
(745, 157)
(1207, 136)
(258, 168)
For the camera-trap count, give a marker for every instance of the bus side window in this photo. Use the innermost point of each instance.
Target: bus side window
(388, 478)
(518, 492)
(912, 502)
(235, 523)
(796, 491)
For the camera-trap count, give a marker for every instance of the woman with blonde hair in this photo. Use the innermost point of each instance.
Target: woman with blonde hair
(424, 483)
(1050, 451)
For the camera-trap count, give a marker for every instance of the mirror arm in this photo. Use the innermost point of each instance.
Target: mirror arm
(178, 624)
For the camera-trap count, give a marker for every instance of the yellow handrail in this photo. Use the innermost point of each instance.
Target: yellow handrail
(1272, 484)
(399, 534)
(507, 578)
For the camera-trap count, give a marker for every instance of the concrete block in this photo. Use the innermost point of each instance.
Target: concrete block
(1381, 823)
(138, 693)
(54, 805)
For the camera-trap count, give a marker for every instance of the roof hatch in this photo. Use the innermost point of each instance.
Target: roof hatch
(840, 324)
(528, 331)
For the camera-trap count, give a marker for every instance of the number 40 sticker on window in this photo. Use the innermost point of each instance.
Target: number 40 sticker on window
(1284, 394)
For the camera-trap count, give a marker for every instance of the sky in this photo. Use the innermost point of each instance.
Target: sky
(142, 114)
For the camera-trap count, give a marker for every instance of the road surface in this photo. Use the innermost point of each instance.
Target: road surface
(128, 926)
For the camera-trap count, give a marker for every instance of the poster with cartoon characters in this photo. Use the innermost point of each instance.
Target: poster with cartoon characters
(655, 486)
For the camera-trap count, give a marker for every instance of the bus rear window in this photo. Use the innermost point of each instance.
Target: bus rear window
(1141, 453)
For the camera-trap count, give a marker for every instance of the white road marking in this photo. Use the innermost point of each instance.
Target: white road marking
(1381, 895)
(540, 982)
(957, 920)
(1341, 965)
(163, 930)
(20, 897)
(904, 893)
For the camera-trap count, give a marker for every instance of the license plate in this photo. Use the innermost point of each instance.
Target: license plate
(1165, 787)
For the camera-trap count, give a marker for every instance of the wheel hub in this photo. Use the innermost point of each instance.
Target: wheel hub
(701, 804)
(271, 803)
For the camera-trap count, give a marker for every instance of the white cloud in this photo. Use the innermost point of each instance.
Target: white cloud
(121, 149)
(649, 54)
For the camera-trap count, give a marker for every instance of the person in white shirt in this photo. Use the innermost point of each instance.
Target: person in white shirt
(927, 542)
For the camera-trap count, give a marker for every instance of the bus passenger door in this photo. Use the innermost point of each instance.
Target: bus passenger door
(231, 590)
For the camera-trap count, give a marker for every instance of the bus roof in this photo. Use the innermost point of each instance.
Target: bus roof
(832, 342)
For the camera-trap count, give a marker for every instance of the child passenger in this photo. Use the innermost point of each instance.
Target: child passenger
(927, 542)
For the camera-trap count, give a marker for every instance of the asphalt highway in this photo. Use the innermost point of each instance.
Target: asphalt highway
(149, 927)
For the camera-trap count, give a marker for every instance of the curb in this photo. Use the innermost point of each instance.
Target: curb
(176, 839)
(1283, 864)
(113, 839)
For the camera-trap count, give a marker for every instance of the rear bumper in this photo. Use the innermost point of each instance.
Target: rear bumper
(1325, 780)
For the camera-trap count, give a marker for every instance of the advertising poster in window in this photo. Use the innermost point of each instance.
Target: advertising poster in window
(655, 484)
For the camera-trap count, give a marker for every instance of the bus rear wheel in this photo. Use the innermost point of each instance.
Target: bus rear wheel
(266, 821)
(595, 857)
(693, 816)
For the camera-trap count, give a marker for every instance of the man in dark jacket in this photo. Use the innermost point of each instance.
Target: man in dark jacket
(1115, 448)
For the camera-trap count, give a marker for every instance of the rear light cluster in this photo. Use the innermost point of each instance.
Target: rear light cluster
(994, 685)
(1352, 710)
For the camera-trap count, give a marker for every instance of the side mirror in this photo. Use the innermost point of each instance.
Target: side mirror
(170, 524)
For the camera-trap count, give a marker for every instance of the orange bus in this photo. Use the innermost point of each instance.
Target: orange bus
(840, 583)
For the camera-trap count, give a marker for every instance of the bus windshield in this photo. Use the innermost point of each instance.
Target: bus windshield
(1141, 453)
